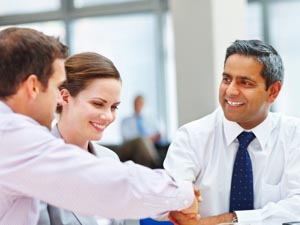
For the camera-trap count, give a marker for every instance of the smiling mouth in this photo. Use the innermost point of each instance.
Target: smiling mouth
(98, 126)
(234, 103)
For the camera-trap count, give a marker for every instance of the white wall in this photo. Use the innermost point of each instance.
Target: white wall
(203, 29)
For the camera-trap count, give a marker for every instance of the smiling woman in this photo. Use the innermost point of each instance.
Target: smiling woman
(89, 100)
(90, 96)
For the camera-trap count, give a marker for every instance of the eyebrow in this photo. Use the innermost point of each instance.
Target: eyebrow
(101, 99)
(244, 77)
(225, 74)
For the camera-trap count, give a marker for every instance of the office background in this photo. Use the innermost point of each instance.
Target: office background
(172, 51)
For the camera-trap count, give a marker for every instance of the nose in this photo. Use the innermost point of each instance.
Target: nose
(107, 115)
(232, 89)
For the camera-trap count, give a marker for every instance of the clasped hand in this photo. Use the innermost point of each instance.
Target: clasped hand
(188, 216)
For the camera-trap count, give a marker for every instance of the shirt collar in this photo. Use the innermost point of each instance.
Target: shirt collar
(262, 131)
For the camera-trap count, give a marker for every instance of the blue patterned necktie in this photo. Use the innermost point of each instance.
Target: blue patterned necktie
(241, 193)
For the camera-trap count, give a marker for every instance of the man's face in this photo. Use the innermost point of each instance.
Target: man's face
(242, 92)
(138, 105)
(48, 98)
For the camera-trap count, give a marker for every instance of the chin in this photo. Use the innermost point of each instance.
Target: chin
(230, 117)
(96, 137)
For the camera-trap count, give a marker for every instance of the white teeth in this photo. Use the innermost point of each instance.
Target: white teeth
(234, 103)
(99, 126)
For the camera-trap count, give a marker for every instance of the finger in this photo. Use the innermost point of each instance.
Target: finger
(172, 220)
(200, 199)
(196, 191)
(198, 194)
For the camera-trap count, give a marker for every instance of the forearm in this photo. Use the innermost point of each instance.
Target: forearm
(284, 210)
(213, 220)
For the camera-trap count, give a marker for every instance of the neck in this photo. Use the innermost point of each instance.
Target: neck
(71, 136)
(18, 104)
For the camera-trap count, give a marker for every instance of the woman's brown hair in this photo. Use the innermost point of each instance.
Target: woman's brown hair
(82, 68)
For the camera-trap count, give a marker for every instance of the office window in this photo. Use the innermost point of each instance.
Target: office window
(53, 28)
(86, 3)
(254, 24)
(29, 6)
(279, 24)
(285, 36)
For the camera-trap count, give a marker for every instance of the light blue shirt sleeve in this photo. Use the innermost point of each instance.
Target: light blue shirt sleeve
(36, 165)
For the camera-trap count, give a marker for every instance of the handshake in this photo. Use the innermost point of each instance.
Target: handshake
(188, 216)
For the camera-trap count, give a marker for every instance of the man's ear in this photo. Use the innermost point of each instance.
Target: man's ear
(274, 90)
(32, 86)
(65, 96)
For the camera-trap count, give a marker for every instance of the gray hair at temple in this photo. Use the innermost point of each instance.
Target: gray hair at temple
(263, 53)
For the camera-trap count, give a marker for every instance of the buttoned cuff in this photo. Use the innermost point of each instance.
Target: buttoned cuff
(186, 195)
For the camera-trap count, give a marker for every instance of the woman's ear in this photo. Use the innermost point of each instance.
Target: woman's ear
(274, 90)
(65, 96)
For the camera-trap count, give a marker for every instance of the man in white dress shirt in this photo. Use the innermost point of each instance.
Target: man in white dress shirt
(36, 165)
(204, 150)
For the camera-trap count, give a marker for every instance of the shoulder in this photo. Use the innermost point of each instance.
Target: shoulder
(205, 124)
(17, 121)
(104, 152)
(285, 122)
(287, 128)
(22, 128)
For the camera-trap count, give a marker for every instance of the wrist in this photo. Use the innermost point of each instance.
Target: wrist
(234, 218)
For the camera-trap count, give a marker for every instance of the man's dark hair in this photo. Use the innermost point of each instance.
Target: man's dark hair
(25, 51)
(263, 53)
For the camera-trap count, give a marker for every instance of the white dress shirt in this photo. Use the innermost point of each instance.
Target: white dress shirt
(36, 165)
(204, 150)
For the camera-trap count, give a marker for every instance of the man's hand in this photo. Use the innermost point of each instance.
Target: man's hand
(189, 216)
(179, 218)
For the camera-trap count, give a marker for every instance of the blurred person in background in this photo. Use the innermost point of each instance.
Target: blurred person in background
(143, 141)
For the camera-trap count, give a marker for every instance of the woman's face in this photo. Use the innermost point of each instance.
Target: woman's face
(93, 109)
